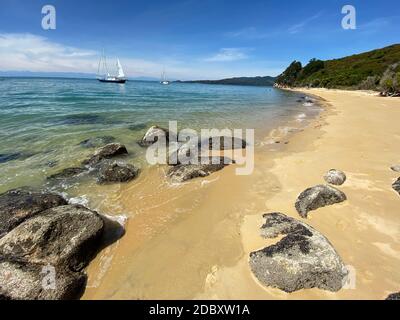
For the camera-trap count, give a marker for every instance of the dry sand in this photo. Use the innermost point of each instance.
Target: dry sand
(193, 241)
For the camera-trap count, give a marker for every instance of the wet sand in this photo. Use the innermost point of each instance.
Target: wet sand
(193, 241)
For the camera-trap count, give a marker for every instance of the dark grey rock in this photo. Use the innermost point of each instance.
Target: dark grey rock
(66, 235)
(335, 177)
(17, 205)
(9, 157)
(396, 185)
(96, 142)
(116, 172)
(184, 172)
(107, 152)
(302, 259)
(24, 281)
(317, 197)
(394, 296)
(67, 173)
(395, 168)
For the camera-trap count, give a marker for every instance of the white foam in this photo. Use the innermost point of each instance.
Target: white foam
(82, 200)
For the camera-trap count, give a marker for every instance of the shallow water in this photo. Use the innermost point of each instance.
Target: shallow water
(43, 121)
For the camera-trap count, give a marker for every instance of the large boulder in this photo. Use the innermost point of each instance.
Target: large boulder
(17, 205)
(30, 281)
(396, 185)
(68, 235)
(107, 152)
(67, 173)
(335, 177)
(317, 197)
(152, 135)
(116, 172)
(394, 296)
(302, 259)
(183, 172)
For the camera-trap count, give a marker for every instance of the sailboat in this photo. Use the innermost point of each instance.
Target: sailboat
(164, 78)
(103, 74)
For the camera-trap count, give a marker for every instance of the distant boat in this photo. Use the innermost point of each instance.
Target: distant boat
(103, 74)
(164, 78)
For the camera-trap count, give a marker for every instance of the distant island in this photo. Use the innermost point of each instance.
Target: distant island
(377, 70)
(240, 81)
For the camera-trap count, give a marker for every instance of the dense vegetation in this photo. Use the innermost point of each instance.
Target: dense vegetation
(374, 70)
(243, 81)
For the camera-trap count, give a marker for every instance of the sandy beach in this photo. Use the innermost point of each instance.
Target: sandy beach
(193, 241)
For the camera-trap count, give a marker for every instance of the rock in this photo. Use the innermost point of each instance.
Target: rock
(302, 259)
(67, 235)
(24, 281)
(184, 172)
(17, 205)
(335, 177)
(395, 168)
(152, 135)
(9, 157)
(396, 185)
(317, 197)
(96, 142)
(51, 163)
(116, 172)
(393, 296)
(67, 173)
(226, 143)
(109, 151)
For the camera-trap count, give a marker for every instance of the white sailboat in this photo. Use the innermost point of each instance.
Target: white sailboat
(164, 78)
(103, 74)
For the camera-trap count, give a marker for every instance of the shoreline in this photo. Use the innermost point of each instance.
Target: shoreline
(195, 242)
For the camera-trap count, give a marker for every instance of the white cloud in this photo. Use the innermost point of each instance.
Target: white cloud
(300, 26)
(228, 54)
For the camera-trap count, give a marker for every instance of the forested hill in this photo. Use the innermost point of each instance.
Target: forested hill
(243, 81)
(374, 70)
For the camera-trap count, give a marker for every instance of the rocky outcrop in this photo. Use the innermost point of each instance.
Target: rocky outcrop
(183, 172)
(152, 135)
(30, 281)
(317, 197)
(66, 235)
(394, 296)
(335, 177)
(17, 205)
(302, 259)
(67, 173)
(116, 172)
(107, 152)
(396, 185)
(96, 142)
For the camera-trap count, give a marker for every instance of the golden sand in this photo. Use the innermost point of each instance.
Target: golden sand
(193, 241)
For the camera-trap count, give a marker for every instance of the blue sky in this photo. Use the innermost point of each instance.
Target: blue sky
(205, 39)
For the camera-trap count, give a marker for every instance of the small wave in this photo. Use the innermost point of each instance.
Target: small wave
(82, 200)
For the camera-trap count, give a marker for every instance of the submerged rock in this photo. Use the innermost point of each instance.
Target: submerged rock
(184, 172)
(96, 142)
(109, 151)
(9, 157)
(317, 197)
(396, 185)
(67, 235)
(302, 259)
(394, 296)
(29, 281)
(335, 177)
(67, 173)
(152, 135)
(116, 172)
(17, 205)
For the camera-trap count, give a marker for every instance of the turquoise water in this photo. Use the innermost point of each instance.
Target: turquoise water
(42, 121)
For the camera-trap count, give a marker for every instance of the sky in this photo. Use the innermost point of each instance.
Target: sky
(202, 39)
